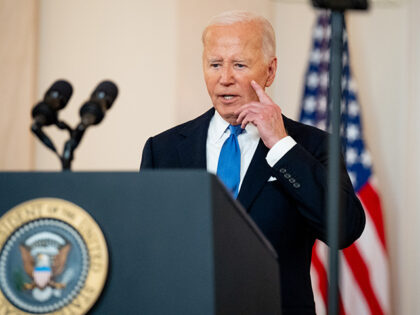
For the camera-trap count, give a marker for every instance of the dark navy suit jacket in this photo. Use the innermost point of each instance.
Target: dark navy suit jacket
(289, 211)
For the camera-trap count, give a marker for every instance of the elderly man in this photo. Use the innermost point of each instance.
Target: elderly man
(275, 167)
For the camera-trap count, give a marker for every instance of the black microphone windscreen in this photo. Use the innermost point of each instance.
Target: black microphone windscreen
(43, 114)
(106, 90)
(59, 94)
(91, 113)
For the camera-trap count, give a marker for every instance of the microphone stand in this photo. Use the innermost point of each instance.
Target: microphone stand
(334, 146)
(70, 145)
(67, 156)
(337, 8)
(91, 113)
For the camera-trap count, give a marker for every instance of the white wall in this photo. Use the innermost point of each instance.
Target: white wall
(409, 261)
(131, 42)
(18, 64)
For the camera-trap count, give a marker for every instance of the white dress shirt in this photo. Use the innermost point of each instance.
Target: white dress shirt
(248, 141)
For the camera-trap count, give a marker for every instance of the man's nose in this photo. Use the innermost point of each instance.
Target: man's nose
(226, 76)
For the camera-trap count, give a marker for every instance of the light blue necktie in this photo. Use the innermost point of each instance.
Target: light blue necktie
(229, 165)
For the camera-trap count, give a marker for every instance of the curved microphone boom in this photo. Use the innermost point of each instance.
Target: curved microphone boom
(91, 113)
(45, 112)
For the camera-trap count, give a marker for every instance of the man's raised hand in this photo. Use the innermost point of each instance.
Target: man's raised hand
(265, 115)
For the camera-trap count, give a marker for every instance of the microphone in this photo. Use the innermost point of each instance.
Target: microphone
(56, 98)
(91, 113)
(102, 98)
(341, 5)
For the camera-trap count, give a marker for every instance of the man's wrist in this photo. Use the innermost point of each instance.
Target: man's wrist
(282, 146)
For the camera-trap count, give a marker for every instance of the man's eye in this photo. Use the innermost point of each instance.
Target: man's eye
(240, 65)
(215, 65)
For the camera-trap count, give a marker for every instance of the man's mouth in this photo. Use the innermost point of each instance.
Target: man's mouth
(228, 98)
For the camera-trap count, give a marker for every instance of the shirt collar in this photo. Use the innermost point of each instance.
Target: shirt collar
(218, 126)
(251, 130)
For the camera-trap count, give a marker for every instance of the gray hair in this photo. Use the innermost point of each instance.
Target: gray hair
(237, 16)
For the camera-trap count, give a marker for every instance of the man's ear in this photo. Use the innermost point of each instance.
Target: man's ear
(271, 71)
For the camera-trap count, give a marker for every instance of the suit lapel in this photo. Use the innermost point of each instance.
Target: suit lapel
(258, 172)
(192, 154)
(256, 176)
(192, 149)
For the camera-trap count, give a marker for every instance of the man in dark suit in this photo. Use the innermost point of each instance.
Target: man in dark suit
(275, 166)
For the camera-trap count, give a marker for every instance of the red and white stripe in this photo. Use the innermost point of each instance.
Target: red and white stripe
(364, 278)
(364, 285)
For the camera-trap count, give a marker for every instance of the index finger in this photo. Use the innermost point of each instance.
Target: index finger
(262, 96)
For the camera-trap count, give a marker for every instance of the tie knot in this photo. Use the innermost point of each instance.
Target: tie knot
(235, 130)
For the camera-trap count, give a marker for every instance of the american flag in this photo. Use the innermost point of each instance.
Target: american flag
(364, 278)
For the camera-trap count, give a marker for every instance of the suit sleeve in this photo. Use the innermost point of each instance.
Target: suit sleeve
(304, 176)
(147, 156)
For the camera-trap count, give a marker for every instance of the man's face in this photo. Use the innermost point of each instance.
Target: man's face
(232, 58)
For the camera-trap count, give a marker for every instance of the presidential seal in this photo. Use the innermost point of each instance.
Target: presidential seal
(53, 259)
